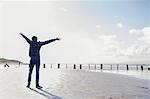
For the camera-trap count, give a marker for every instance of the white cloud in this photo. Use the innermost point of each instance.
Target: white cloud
(110, 43)
(63, 9)
(135, 50)
(119, 25)
(135, 31)
(98, 26)
(108, 39)
(146, 35)
(141, 47)
(119, 20)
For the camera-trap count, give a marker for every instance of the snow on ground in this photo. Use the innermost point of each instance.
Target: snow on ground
(71, 84)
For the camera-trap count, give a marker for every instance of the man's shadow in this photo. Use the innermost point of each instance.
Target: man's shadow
(46, 94)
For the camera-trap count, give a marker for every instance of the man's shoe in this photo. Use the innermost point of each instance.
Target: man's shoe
(28, 86)
(39, 87)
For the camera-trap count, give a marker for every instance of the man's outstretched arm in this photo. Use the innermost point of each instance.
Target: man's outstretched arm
(27, 39)
(49, 41)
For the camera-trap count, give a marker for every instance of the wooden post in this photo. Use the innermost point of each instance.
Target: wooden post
(101, 66)
(142, 67)
(127, 67)
(80, 66)
(95, 66)
(136, 67)
(89, 67)
(117, 66)
(44, 66)
(19, 64)
(6, 65)
(66, 66)
(111, 67)
(58, 66)
(74, 66)
(51, 66)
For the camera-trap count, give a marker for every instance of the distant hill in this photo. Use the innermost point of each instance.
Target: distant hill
(10, 61)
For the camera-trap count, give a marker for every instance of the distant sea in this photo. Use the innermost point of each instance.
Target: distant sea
(134, 70)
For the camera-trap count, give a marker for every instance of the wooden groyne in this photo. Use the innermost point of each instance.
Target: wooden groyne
(98, 66)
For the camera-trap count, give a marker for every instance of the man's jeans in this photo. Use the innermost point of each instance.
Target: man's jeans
(34, 61)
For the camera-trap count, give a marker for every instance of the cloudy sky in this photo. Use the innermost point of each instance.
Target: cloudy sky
(91, 31)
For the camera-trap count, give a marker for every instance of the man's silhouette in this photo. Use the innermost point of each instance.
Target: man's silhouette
(34, 54)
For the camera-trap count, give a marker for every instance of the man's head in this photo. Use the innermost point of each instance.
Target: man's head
(34, 38)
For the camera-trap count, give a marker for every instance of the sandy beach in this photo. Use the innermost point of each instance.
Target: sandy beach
(71, 84)
(81, 49)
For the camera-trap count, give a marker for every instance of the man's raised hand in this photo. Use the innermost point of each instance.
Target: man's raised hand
(58, 38)
(20, 33)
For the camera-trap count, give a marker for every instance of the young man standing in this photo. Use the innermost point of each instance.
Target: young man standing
(34, 53)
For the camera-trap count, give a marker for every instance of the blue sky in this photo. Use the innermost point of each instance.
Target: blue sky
(132, 12)
(106, 31)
